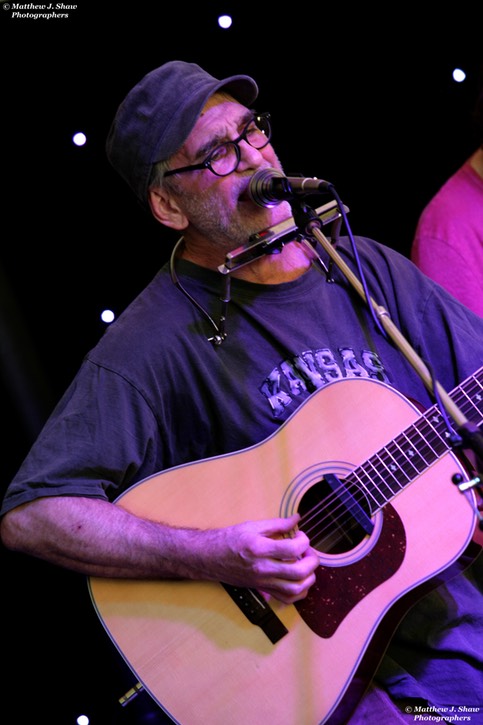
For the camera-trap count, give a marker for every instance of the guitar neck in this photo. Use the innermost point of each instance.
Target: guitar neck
(419, 446)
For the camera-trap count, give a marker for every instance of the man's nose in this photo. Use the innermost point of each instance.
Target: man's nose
(249, 155)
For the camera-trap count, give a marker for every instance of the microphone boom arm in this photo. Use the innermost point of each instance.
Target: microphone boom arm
(471, 435)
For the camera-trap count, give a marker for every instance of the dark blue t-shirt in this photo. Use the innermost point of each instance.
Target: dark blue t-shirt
(156, 393)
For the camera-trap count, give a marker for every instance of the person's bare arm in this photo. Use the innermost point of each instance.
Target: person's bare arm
(98, 538)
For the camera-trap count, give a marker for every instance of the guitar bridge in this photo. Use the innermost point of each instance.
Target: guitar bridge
(257, 611)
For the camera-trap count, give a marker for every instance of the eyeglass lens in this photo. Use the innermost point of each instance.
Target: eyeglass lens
(226, 157)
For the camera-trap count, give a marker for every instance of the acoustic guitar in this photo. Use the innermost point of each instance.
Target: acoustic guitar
(372, 478)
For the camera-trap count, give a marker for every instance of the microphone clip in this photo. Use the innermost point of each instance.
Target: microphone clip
(284, 188)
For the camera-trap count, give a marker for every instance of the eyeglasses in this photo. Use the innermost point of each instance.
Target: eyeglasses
(224, 159)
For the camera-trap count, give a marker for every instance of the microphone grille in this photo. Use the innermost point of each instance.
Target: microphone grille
(260, 187)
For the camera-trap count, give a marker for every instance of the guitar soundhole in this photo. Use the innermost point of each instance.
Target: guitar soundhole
(335, 518)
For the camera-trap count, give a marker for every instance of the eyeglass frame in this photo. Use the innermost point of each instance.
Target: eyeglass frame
(206, 164)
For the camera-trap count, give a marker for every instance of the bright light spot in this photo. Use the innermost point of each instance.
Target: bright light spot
(82, 720)
(459, 75)
(79, 139)
(107, 316)
(224, 21)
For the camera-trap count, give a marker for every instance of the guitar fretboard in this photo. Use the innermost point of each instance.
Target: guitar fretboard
(400, 462)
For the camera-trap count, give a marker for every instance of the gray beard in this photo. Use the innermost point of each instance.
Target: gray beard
(225, 229)
(209, 218)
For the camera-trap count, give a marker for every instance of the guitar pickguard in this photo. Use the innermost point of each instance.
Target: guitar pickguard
(338, 590)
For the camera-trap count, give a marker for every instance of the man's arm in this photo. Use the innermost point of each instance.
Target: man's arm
(98, 538)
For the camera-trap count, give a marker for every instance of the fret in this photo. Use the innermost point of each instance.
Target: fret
(383, 465)
(473, 394)
(441, 436)
(404, 461)
(398, 474)
(365, 484)
(398, 463)
(378, 488)
(440, 441)
(384, 494)
(412, 451)
(472, 401)
(421, 440)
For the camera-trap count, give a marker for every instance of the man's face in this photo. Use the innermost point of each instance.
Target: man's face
(219, 210)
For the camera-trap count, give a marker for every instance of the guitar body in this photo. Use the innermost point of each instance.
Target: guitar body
(194, 650)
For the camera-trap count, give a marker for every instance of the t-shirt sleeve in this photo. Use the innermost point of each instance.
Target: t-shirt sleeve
(101, 437)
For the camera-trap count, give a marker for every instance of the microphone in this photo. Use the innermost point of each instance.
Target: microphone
(268, 187)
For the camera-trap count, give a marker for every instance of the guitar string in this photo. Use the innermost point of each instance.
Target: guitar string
(345, 522)
(347, 517)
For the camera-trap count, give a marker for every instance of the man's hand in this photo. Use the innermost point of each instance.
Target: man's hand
(271, 555)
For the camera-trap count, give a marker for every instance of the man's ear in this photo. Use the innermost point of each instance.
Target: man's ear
(166, 210)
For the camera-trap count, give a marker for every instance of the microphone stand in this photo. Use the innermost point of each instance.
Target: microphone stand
(469, 433)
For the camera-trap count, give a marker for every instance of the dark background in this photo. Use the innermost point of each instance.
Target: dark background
(362, 97)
